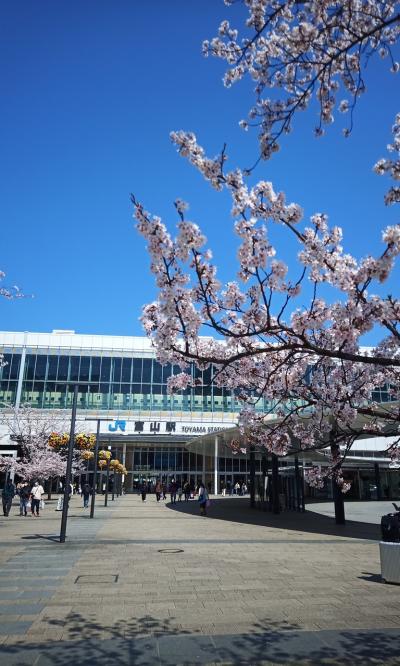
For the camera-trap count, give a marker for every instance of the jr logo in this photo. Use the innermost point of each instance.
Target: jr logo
(117, 425)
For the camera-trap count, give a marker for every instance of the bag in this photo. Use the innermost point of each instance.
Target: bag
(28, 504)
(41, 504)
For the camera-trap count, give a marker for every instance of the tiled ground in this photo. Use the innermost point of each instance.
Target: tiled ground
(244, 587)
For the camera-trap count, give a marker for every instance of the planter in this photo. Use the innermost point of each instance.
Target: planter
(390, 561)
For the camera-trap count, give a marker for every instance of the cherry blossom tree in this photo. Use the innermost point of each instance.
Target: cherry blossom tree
(308, 362)
(32, 429)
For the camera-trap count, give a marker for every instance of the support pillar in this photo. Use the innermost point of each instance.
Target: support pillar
(298, 482)
(275, 484)
(216, 465)
(252, 471)
(378, 482)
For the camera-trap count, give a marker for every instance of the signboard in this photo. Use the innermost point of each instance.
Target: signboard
(142, 427)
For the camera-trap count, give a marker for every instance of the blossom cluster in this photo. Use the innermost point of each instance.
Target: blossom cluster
(304, 50)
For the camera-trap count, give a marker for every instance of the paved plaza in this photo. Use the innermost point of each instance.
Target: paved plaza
(149, 584)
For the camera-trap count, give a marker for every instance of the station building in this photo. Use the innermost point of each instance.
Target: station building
(185, 436)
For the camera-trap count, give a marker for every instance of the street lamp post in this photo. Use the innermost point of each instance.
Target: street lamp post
(96, 453)
(107, 479)
(67, 489)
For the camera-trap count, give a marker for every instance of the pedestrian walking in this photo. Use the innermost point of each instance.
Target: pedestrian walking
(36, 497)
(158, 490)
(223, 489)
(86, 492)
(144, 491)
(164, 491)
(24, 494)
(180, 494)
(186, 490)
(203, 499)
(7, 497)
(172, 490)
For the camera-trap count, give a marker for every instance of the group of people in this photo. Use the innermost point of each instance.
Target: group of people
(162, 489)
(177, 491)
(233, 489)
(30, 497)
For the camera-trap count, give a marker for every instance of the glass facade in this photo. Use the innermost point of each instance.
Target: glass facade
(108, 382)
(151, 462)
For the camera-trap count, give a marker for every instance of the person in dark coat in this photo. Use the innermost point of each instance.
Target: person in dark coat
(86, 492)
(7, 496)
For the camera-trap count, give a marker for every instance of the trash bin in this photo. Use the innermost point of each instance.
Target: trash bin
(390, 561)
(390, 527)
(389, 548)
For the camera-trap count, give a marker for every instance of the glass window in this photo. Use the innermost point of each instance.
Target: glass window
(157, 460)
(95, 369)
(52, 369)
(167, 372)
(137, 370)
(146, 389)
(63, 363)
(136, 459)
(6, 368)
(117, 365)
(235, 464)
(186, 460)
(150, 459)
(146, 376)
(164, 459)
(74, 368)
(15, 363)
(228, 463)
(84, 369)
(40, 370)
(126, 370)
(172, 460)
(157, 372)
(105, 369)
(178, 460)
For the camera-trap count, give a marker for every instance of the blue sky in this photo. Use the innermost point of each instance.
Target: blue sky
(90, 91)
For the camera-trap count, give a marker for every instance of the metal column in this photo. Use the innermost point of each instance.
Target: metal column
(252, 476)
(216, 465)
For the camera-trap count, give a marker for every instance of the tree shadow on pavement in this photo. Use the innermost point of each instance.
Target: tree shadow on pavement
(151, 641)
(239, 511)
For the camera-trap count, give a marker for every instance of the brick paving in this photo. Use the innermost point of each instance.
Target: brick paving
(244, 587)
